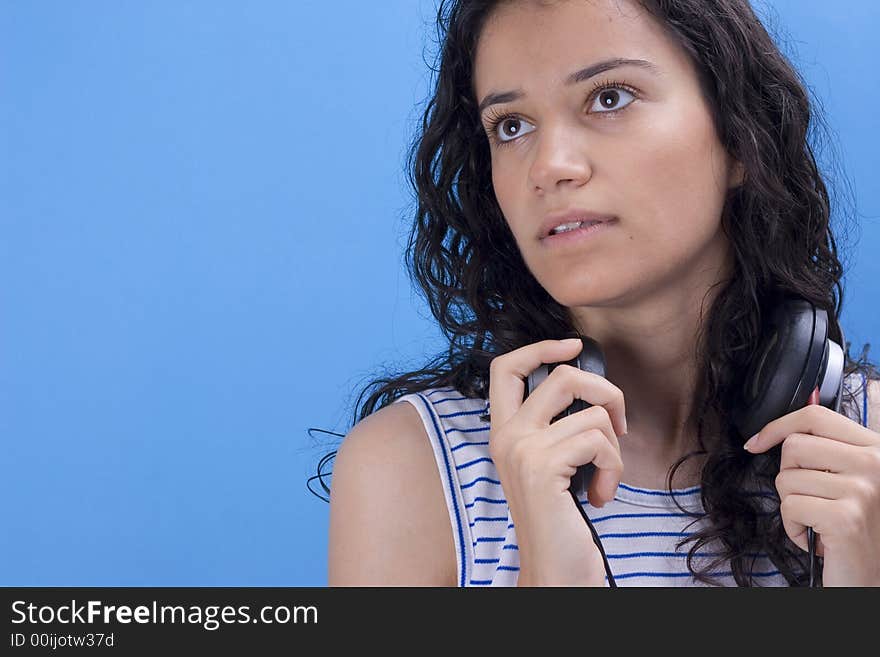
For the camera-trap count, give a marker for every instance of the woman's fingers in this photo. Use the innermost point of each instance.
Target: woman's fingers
(589, 418)
(507, 374)
(565, 384)
(815, 483)
(824, 516)
(804, 450)
(593, 446)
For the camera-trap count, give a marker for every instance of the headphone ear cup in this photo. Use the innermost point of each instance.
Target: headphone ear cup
(831, 390)
(756, 375)
(790, 359)
(534, 379)
(589, 359)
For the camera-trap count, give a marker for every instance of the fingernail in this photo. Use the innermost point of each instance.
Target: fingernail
(625, 431)
(571, 340)
(751, 442)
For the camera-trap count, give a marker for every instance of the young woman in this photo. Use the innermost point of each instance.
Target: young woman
(681, 129)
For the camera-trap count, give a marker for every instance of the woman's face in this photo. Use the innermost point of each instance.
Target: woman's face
(656, 165)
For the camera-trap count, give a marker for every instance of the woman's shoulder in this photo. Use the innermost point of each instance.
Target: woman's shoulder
(388, 506)
(418, 424)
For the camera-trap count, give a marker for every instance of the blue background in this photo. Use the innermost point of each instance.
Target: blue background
(203, 212)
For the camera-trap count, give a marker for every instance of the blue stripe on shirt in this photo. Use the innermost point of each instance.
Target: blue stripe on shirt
(642, 515)
(484, 499)
(448, 399)
(683, 491)
(644, 534)
(474, 462)
(478, 479)
(689, 574)
(458, 520)
(467, 444)
(477, 430)
(479, 411)
(635, 555)
(437, 392)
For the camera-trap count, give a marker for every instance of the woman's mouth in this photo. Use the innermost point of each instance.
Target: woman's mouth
(585, 233)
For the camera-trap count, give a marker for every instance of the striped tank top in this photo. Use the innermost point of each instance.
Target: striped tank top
(639, 528)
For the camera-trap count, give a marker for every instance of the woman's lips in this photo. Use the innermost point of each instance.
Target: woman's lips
(584, 234)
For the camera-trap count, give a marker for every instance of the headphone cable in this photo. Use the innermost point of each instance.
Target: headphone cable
(596, 540)
(811, 544)
(811, 535)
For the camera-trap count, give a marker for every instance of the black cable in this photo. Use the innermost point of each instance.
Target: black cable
(596, 540)
(320, 468)
(811, 546)
(320, 477)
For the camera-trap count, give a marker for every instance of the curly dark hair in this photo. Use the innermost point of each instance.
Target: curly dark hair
(466, 261)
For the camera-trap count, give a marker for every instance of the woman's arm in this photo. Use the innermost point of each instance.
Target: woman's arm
(389, 524)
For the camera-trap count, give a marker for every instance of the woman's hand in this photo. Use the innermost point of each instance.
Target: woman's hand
(829, 480)
(536, 460)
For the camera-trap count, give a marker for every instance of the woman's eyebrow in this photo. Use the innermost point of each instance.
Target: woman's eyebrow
(495, 97)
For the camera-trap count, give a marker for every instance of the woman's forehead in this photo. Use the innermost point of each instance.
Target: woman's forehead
(525, 42)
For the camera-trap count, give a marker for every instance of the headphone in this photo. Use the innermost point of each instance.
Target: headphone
(798, 364)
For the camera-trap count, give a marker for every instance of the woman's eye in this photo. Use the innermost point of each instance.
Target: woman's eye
(609, 98)
(504, 125)
(607, 101)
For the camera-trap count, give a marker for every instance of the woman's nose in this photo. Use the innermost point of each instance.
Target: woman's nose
(560, 156)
